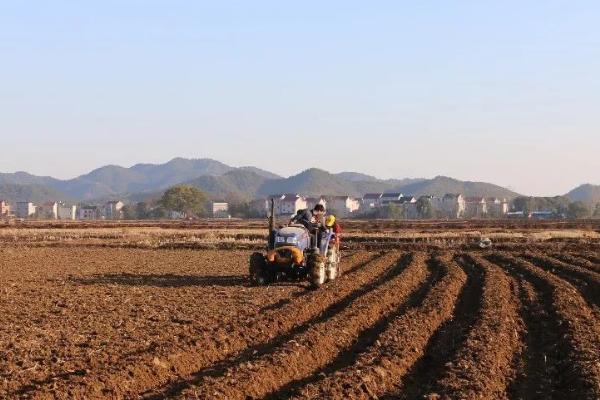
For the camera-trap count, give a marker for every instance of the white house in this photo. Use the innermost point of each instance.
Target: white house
(497, 208)
(311, 202)
(114, 209)
(25, 209)
(4, 209)
(289, 203)
(220, 209)
(343, 205)
(409, 207)
(475, 207)
(66, 212)
(371, 201)
(89, 212)
(47, 210)
(451, 205)
(388, 198)
(407, 199)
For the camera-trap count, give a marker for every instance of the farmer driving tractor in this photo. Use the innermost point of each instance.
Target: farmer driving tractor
(309, 218)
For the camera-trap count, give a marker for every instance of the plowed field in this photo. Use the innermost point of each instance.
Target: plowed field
(460, 323)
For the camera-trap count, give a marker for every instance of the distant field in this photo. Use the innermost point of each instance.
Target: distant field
(239, 234)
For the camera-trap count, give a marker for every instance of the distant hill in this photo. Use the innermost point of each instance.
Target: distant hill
(112, 180)
(441, 185)
(587, 193)
(24, 178)
(149, 177)
(239, 184)
(356, 177)
(35, 193)
(261, 172)
(313, 181)
(148, 181)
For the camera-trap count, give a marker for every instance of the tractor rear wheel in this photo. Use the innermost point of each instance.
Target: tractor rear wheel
(316, 270)
(259, 274)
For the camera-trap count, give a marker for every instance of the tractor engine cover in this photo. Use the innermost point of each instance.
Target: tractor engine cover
(292, 236)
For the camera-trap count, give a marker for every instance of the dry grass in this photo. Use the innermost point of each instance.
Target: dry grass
(153, 237)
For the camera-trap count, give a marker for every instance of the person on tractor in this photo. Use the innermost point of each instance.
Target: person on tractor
(311, 220)
(332, 223)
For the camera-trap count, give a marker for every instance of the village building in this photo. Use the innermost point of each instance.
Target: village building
(497, 208)
(427, 204)
(288, 204)
(475, 207)
(409, 207)
(47, 210)
(220, 209)
(4, 209)
(407, 200)
(451, 206)
(387, 198)
(87, 212)
(371, 201)
(311, 202)
(66, 212)
(343, 206)
(113, 209)
(25, 209)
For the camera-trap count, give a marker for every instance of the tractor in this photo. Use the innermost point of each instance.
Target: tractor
(294, 254)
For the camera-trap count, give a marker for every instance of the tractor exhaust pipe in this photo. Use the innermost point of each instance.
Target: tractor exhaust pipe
(272, 225)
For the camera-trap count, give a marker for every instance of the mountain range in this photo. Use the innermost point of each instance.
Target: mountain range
(143, 181)
(587, 193)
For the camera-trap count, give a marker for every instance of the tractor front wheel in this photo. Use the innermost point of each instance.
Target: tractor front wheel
(259, 274)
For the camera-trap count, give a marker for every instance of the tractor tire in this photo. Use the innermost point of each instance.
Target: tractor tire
(259, 275)
(316, 270)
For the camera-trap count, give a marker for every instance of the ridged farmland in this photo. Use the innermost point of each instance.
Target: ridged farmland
(420, 312)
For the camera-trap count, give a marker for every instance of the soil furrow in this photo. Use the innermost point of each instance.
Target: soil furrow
(482, 367)
(539, 364)
(356, 262)
(380, 368)
(576, 325)
(261, 348)
(589, 255)
(148, 372)
(578, 261)
(445, 342)
(365, 341)
(318, 346)
(588, 282)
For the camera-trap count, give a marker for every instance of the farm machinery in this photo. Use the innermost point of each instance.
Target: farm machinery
(295, 253)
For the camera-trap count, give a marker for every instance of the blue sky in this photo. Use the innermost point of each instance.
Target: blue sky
(507, 92)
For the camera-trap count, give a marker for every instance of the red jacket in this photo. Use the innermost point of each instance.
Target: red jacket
(337, 230)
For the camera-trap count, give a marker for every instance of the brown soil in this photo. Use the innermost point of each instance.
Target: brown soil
(520, 322)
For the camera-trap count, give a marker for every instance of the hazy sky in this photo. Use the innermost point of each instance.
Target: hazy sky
(506, 92)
